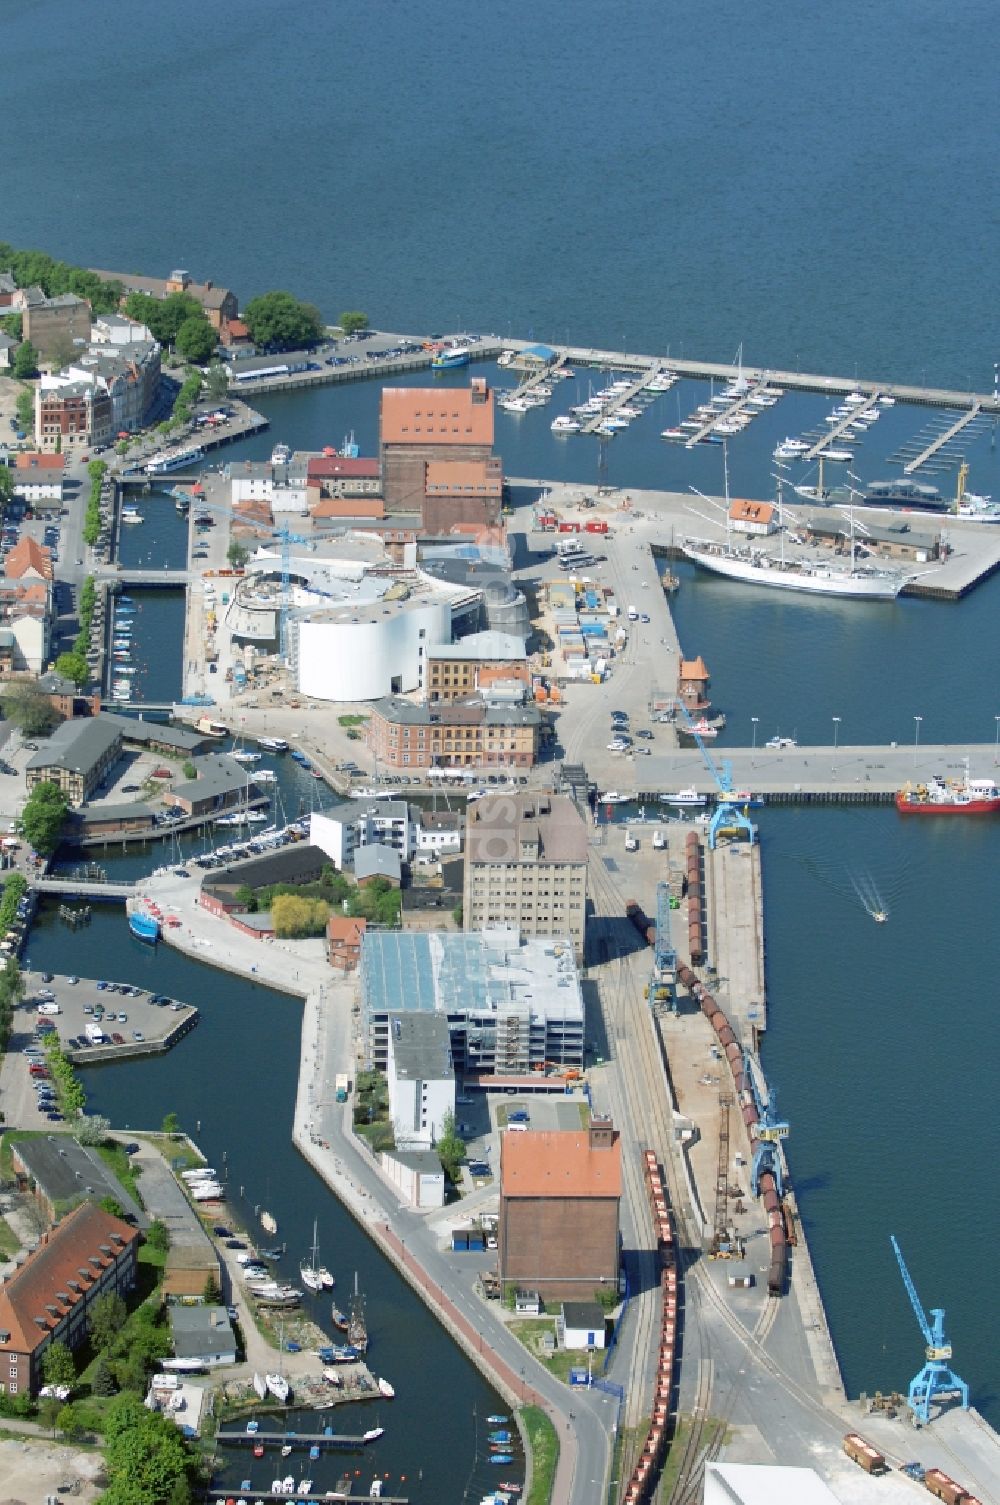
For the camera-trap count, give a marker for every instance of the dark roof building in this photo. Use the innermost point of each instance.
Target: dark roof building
(203, 1334)
(62, 1172)
(75, 757)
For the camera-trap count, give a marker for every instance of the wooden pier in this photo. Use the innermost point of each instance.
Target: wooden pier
(609, 411)
(836, 429)
(726, 415)
(255, 1494)
(942, 439)
(293, 1439)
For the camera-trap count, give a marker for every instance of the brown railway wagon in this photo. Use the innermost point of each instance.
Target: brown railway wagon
(864, 1454)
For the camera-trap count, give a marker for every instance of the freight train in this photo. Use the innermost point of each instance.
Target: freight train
(644, 1474)
(779, 1231)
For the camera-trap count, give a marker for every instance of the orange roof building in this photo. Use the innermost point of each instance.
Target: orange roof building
(560, 1193)
(87, 1255)
(692, 684)
(344, 934)
(28, 558)
(420, 426)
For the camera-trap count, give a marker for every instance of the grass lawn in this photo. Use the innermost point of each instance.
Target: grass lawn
(10, 1137)
(584, 1114)
(175, 1149)
(531, 1330)
(121, 1167)
(9, 1242)
(352, 720)
(544, 1446)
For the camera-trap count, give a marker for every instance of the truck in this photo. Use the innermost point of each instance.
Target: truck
(633, 614)
(863, 1454)
(94, 1034)
(211, 728)
(341, 1087)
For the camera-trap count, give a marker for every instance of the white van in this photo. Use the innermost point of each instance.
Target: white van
(631, 843)
(659, 841)
(633, 615)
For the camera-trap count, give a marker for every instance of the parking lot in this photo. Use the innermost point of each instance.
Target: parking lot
(480, 1118)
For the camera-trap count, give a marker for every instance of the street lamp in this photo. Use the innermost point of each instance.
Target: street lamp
(753, 749)
(836, 738)
(916, 737)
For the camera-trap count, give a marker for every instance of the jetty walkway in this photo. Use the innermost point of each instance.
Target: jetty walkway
(942, 439)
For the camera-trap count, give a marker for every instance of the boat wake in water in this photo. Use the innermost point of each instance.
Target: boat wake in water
(865, 887)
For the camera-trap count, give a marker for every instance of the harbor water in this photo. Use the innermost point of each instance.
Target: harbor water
(816, 184)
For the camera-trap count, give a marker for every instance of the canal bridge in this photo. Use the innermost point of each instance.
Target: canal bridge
(82, 888)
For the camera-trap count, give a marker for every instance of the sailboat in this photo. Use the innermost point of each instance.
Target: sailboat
(310, 1274)
(754, 566)
(357, 1328)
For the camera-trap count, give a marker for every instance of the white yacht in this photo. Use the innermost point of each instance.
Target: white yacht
(686, 797)
(564, 424)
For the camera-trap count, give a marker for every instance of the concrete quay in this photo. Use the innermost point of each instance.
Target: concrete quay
(799, 381)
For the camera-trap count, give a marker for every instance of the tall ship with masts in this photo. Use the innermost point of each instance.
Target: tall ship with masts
(357, 1327)
(753, 565)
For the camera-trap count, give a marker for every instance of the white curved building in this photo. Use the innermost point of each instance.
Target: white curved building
(364, 650)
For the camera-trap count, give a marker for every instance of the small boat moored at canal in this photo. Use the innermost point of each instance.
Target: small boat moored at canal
(273, 744)
(449, 358)
(145, 927)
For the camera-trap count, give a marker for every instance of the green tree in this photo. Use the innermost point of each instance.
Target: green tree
(163, 317)
(217, 380)
(352, 321)
(107, 1318)
(25, 361)
(171, 1124)
(237, 554)
(12, 324)
(101, 1380)
(93, 1130)
(293, 916)
(6, 487)
(58, 1366)
(458, 914)
(29, 708)
(69, 1421)
(158, 1236)
(26, 409)
(48, 1412)
(450, 1147)
(279, 320)
(74, 666)
(113, 1206)
(43, 816)
(210, 1292)
(189, 769)
(196, 340)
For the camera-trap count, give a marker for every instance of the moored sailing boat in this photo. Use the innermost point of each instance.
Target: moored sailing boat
(357, 1328)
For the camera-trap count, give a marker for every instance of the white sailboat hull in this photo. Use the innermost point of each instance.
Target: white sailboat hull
(823, 581)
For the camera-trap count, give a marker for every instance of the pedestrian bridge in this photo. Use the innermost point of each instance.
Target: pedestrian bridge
(82, 888)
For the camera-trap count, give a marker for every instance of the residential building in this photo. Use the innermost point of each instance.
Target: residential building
(282, 487)
(71, 414)
(8, 345)
(459, 491)
(344, 476)
(342, 830)
(344, 934)
(526, 865)
(402, 735)
(38, 478)
(28, 559)
(420, 425)
(416, 1174)
(129, 375)
(89, 1254)
(439, 833)
(753, 517)
(477, 664)
(60, 1173)
(421, 1078)
(8, 287)
(219, 303)
(512, 1002)
(202, 1335)
(75, 757)
(52, 323)
(560, 1191)
(116, 330)
(26, 613)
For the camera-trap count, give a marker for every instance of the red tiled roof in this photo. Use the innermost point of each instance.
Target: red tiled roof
(459, 477)
(337, 467)
(558, 1163)
(422, 415)
(45, 1278)
(345, 929)
(751, 512)
(33, 460)
(26, 555)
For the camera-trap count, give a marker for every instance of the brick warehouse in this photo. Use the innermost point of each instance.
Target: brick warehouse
(560, 1193)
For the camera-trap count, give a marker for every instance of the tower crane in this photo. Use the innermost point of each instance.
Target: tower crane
(728, 811)
(937, 1380)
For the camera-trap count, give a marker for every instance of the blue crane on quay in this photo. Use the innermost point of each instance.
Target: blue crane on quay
(729, 814)
(770, 1130)
(937, 1381)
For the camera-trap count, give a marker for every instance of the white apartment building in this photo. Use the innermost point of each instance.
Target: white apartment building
(421, 1078)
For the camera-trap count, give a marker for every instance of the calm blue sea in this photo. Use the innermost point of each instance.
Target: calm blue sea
(816, 183)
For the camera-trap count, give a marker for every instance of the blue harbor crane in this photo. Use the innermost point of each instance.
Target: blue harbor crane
(729, 813)
(770, 1131)
(937, 1380)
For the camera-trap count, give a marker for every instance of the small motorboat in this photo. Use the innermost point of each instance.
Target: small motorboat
(325, 1277)
(880, 916)
(497, 1421)
(386, 1389)
(373, 1434)
(258, 1450)
(286, 1450)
